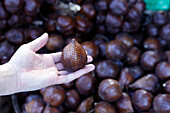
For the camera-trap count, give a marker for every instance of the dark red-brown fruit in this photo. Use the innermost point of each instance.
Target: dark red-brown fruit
(112, 30)
(104, 107)
(49, 109)
(124, 104)
(50, 25)
(32, 97)
(6, 50)
(151, 43)
(83, 25)
(118, 7)
(86, 84)
(138, 39)
(152, 30)
(163, 70)
(109, 90)
(13, 6)
(140, 6)
(86, 105)
(160, 18)
(161, 103)
(14, 20)
(68, 85)
(142, 100)
(3, 12)
(102, 48)
(125, 38)
(148, 82)
(55, 42)
(133, 55)
(33, 33)
(35, 106)
(3, 24)
(165, 32)
(65, 24)
(31, 7)
(72, 99)
(167, 53)
(15, 36)
(54, 95)
(107, 69)
(126, 77)
(88, 10)
(74, 56)
(99, 39)
(115, 50)
(113, 21)
(101, 5)
(149, 59)
(133, 14)
(2, 38)
(166, 86)
(91, 49)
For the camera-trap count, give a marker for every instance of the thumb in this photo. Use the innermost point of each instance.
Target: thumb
(38, 43)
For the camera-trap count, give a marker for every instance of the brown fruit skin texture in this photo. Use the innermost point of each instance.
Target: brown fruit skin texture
(3, 13)
(115, 50)
(167, 53)
(124, 104)
(126, 77)
(163, 70)
(151, 43)
(107, 69)
(149, 59)
(32, 33)
(15, 36)
(166, 86)
(109, 90)
(86, 84)
(91, 48)
(54, 95)
(86, 105)
(65, 24)
(161, 103)
(32, 97)
(133, 55)
(49, 109)
(13, 6)
(125, 38)
(104, 107)
(55, 42)
(6, 50)
(142, 100)
(68, 85)
(73, 56)
(35, 106)
(72, 99)
(88, 10)
(149, 83)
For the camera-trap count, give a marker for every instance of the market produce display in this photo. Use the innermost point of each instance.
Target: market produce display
(130, 47)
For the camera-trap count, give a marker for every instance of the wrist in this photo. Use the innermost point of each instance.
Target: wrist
(8, 79)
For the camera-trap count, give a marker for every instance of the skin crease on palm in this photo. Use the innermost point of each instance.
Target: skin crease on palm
(34, 71)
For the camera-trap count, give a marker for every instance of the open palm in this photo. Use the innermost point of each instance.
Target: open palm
(35, 71)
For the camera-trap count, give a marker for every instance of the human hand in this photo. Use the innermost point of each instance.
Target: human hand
(35, 71)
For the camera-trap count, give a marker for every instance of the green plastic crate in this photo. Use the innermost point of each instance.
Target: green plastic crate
(157, 5)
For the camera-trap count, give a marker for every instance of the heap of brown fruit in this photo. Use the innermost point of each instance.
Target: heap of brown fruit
(130, 49)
